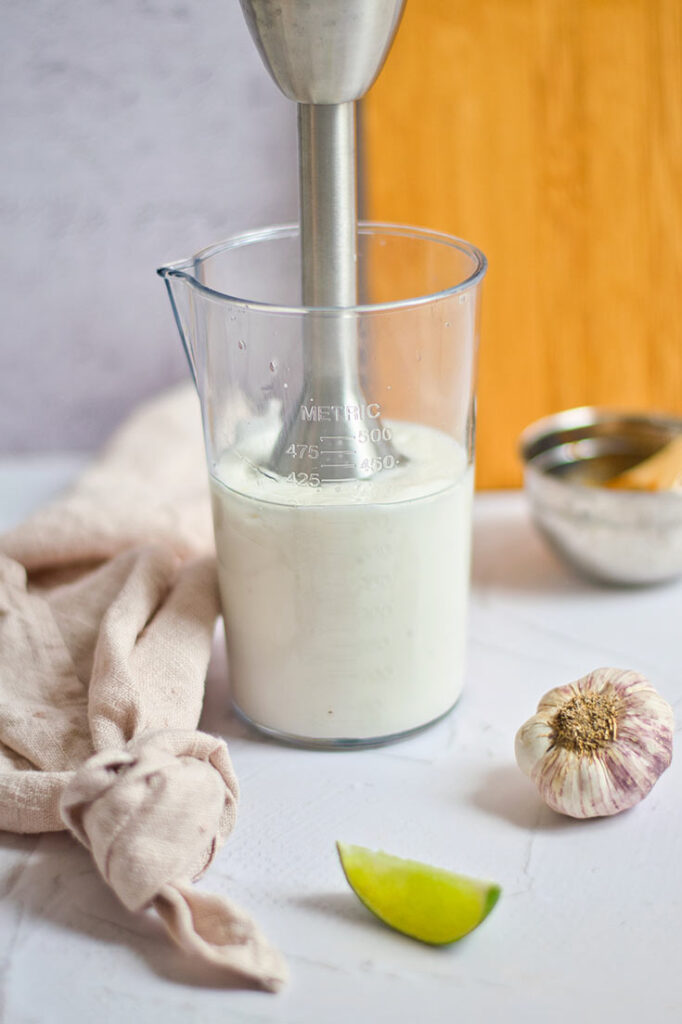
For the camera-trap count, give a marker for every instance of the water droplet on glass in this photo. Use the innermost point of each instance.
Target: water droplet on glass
(285, 384)
(447, 323)
(462, 299)
(419, 357)
(241, 344)
(273, 365)
(388, 387)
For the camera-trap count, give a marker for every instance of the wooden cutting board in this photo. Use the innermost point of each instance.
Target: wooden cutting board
(549, 133)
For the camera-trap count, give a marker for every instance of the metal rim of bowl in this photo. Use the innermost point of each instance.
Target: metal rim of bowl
(584, 424)
(539, 436)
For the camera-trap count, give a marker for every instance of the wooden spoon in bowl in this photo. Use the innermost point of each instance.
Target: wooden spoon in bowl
(661, 471)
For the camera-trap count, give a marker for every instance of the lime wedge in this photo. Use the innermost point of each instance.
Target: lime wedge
(427, 903)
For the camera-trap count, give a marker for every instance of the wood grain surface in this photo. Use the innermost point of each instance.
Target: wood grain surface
(549, 133)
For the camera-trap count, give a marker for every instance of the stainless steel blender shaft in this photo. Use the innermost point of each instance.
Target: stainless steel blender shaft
(326, 138)
(331, 383)
(325, 54)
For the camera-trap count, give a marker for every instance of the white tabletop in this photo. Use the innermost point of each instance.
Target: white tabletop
(588, 927)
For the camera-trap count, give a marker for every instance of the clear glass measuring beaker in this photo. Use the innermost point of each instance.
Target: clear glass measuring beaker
(341, 476)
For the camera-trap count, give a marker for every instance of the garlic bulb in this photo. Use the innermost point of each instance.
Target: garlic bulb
(598, 745)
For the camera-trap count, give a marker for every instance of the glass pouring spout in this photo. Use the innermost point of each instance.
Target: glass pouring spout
(272, 364)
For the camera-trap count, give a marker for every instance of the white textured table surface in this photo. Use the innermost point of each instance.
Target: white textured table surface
(588, 928)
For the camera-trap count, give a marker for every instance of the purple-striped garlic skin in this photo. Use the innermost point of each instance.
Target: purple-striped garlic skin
(597, 746)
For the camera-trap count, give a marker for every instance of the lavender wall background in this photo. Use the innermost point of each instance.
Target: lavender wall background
(133, 132)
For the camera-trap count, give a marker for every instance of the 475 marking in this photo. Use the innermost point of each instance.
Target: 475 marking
(304, 451)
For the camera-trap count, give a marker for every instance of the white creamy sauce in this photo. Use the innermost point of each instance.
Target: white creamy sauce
(345, 604)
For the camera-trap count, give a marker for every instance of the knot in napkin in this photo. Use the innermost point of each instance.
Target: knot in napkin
(155, 812)
(153, 815)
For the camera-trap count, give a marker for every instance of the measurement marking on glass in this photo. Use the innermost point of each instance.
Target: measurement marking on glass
(337, 479)
(341, 451)
(334, 437)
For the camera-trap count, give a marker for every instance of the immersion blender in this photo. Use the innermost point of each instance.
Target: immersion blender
(325, 55)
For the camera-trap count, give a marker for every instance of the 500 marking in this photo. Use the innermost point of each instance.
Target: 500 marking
(375, 434)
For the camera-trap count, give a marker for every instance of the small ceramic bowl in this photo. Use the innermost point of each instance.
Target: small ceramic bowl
(616, 536)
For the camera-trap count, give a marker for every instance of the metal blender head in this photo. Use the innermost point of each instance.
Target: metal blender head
(325, 55)
(323, 51)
